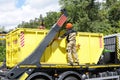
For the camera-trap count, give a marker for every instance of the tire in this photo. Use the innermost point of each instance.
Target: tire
(39, 76)
(70, 75)
(39, 79)
(71, 78)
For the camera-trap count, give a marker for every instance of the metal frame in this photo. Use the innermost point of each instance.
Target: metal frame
(105, 78)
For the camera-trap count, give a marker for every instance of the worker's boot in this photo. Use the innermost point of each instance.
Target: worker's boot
(70, 63)
(77, 63)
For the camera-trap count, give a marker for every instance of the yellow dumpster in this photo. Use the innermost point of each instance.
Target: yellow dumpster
(20, 43)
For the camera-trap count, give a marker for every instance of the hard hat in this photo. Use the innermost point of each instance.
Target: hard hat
(68, 26)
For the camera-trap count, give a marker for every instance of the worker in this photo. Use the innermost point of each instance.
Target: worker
(70, 35)
(41, 27)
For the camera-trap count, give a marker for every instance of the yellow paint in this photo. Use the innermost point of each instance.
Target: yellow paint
(24, 76)
(28, 66)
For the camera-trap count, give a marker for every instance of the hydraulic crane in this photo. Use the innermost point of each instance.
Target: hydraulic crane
(35, 56)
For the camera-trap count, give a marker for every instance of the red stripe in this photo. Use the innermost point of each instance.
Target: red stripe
(22, 39)
(100, 42)
(61, 20)
(22, 36)
(22, 44)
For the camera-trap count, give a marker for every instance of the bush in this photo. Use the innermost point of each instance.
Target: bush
(2, 53)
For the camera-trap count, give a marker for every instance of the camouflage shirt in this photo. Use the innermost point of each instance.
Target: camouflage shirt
(70, 34)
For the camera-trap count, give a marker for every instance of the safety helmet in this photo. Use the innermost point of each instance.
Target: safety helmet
(68, 26)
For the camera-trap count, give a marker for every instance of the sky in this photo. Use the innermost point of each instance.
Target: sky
(13, 12)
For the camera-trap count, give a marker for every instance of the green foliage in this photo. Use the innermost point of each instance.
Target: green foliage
(82, 13)
(86, 16)
(93, 16)
(2, 45)
(2, 53)
(2, 50)
(114, 15)
(50, 19)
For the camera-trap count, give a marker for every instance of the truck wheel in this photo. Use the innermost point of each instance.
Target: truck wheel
(70, 75)
(39, 76)
(39, 79)
(71, 78)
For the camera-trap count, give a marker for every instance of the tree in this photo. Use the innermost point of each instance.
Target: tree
(51, 19)
(81, 13)
(2, 53)
(88, 15)
(114, 14)
(2, 44)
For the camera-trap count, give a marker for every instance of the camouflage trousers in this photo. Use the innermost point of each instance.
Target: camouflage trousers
(71, 52)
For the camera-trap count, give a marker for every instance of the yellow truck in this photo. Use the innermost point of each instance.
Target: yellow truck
(33, 54)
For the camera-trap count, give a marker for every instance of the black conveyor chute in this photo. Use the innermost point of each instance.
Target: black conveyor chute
(35, 57)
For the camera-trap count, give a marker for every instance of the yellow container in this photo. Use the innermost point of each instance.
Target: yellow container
(20, 43)
(17, 48)
(91, 47)
(89, 52)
